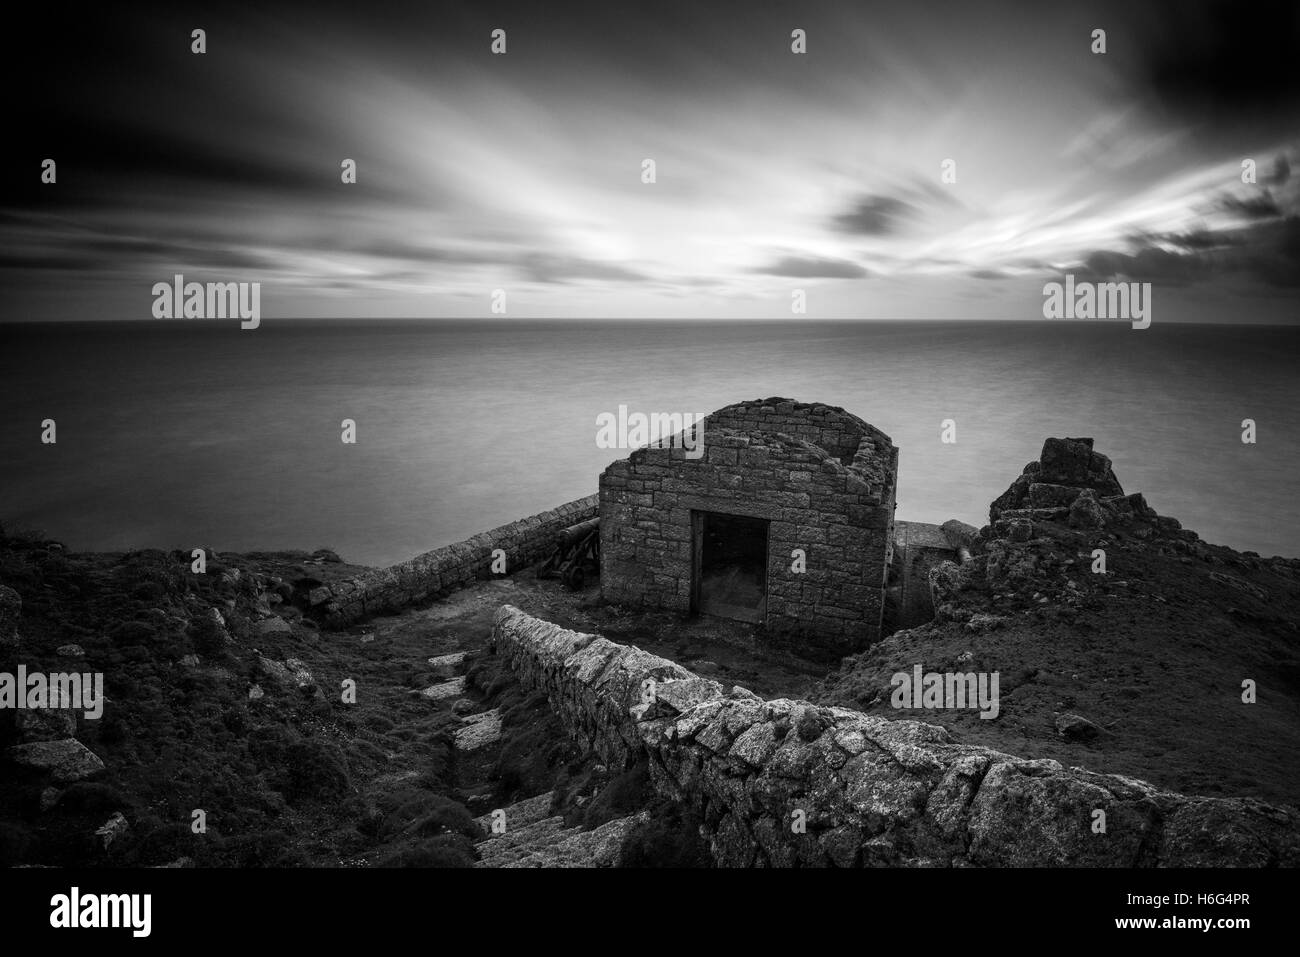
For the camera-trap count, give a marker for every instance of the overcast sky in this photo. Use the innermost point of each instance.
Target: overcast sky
(775, 171)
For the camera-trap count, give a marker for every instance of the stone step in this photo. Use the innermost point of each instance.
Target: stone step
(519, 842)
(535, 838)
(452, 688)
(521, 813)
(448, 666)
(599, 847)
(479, 730)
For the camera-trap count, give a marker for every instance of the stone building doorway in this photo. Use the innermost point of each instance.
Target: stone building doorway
(729, 566)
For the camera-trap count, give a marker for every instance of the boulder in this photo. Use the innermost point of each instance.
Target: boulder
(1073, 462)
(45, 724)
(1074, 727)
(273, 626)
(1064, 466)
(66, 761)
(1047, 495)
(1020, 530)
(1014, 497)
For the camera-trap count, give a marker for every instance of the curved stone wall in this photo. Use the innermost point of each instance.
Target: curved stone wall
(787, 783)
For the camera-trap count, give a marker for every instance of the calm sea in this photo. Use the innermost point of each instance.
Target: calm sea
(176, 434)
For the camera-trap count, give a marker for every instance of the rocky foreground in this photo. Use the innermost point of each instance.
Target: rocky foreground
(1122, 640)
(229, 738)
(224, 695)
(781, 783)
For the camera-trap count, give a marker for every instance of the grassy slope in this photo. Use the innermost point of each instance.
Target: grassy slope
(1154, 652)
(294, 778)
(290, 779)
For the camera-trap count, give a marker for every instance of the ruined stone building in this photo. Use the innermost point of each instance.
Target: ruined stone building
(785, 520)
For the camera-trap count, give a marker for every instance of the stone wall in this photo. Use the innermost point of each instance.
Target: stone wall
(918, 547)
(870, 791)
(842, 434)
(839, 515)
(443, 570)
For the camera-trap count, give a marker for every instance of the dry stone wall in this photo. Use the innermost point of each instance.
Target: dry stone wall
(868, 791)
(842, 434)
(443, 570)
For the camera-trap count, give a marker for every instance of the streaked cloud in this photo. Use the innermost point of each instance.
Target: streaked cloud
(523, 172)
(815, 269)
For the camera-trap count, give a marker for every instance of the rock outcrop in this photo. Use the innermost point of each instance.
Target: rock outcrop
(1070, 489)
(787, 783)
(1064, 469)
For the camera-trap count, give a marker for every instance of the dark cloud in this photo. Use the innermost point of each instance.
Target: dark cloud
(110, 254)
(988, 274)
(537, 267)
(874, 216)
(815, 269)
(546, 267)
(28, 261)
(1151, 264)
(1281, 170)
(1268, 253)
(1201, 239)
(1263, 206)
(412, 252)
(1223, 59)
(85, 250)
(1280, 265)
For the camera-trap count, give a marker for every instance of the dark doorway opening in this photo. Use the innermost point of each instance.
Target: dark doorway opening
(730, 565)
